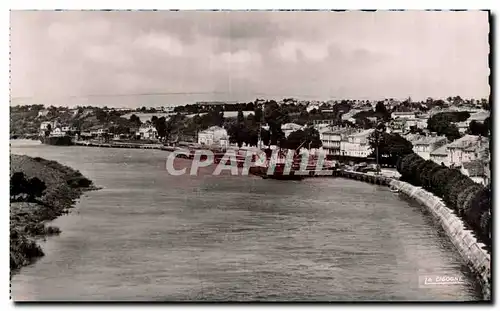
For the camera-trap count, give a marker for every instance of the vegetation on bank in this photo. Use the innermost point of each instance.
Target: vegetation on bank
(41, 190)
(470, 201)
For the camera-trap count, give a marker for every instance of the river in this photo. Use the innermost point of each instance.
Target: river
(148, 235)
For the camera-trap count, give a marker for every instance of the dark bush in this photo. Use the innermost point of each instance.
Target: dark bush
(471, 201)
(33, 187)
(79, 182)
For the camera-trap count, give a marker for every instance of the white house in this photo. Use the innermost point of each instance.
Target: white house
(147, 131)
(425, 145)
(357, 145)
(214, 135)
(332, 139)
(440, 155)
(45, 125)
(462, 150)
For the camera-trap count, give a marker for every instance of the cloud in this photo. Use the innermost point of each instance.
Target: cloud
(320, 54)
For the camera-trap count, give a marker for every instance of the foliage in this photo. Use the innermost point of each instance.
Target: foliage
(478, 128)
(275, 116)
(244, 131)
(32, 188)
(135, 120)
(442, 123)
(307, 138)
(469, 200)
(390, 146)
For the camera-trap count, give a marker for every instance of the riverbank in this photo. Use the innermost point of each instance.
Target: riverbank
(471, 250)
(28, 219)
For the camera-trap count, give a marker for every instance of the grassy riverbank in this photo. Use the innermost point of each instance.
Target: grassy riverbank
(28, 219)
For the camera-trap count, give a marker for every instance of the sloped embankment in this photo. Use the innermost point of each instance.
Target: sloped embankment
(28, 219)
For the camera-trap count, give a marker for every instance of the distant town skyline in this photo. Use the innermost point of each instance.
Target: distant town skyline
(60, 58)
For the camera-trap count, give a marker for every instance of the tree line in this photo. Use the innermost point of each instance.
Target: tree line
(470, 201)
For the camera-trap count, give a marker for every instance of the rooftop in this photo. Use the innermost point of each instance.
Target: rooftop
(340, 131)
(363, 133)
(474, 168)
(441, 151)
(427, 140)
(413, 137)
(213, 128)
(479, 116)
(466, 141)
(291, 126)
(403, 112)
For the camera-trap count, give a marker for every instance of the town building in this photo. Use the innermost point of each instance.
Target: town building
(465, 149)
(147, 131)
(320, 122)
(214, 135)
(331, 139)
(357, 144)
(440, 156)
(425, 145)
(403, 115)
(396, 126)
(52, 124)
(476, 171)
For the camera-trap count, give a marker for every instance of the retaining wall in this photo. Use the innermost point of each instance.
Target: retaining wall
(463, 239)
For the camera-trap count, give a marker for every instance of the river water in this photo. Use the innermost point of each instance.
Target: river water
(148, 235)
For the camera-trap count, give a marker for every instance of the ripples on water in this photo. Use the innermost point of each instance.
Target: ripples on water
(151, 236)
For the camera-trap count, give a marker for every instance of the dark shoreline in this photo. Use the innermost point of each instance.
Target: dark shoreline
(28, 219)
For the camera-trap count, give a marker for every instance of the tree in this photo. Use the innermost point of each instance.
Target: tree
(135, 120)
(307, 138)
(49, 129)
(275, 117)
(172, 125)
(161, 127)
(442, 123)
(241, 117)
(382, 110)
(265, 135)
(477, 128)
(17, 184)
(33, 187)
(258, 115)
(390, 146)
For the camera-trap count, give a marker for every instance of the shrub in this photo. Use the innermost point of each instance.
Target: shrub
(471, 201)
(79, 182)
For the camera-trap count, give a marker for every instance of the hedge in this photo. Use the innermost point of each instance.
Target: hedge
(471, 201)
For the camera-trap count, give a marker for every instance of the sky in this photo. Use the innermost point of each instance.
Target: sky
(158, 58)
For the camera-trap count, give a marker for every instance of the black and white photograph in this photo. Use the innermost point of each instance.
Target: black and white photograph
(250, 156)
